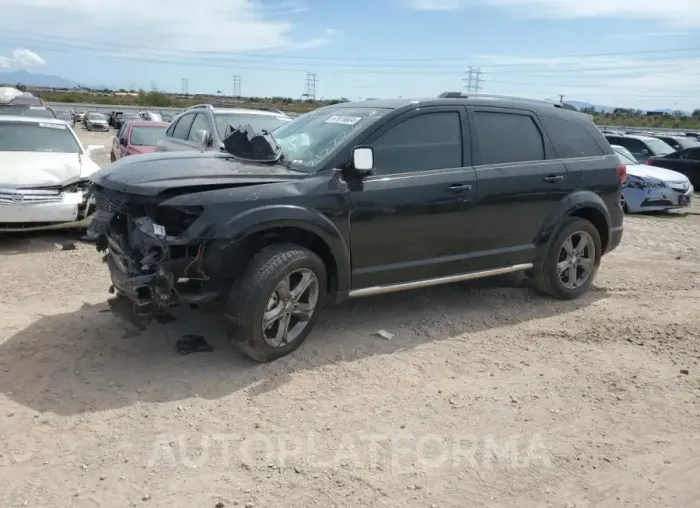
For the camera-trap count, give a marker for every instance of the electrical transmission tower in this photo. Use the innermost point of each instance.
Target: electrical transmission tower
(311, 84)
(473, 80)
(236, 86)
(185, 87)
(154, 87)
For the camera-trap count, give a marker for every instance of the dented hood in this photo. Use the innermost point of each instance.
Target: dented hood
(151, 174)
(41, 168)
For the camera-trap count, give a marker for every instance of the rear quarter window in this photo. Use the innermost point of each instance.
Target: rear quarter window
(571, 139)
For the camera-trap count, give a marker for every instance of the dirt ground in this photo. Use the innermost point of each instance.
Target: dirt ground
(485, 396)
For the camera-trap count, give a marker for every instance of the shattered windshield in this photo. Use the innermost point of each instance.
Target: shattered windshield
(310, 139)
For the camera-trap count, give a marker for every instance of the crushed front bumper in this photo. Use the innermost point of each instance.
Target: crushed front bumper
(27, 210)
(154, 272)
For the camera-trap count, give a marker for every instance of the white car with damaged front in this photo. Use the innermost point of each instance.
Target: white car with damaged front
(652, 189)
(44, 172)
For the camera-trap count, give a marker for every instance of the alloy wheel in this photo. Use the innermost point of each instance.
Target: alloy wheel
(290, 308)
(576, 260)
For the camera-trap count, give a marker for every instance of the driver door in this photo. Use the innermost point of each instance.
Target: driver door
(411, 219)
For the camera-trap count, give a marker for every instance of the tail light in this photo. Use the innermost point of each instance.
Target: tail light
(650, 162)
(621, 171)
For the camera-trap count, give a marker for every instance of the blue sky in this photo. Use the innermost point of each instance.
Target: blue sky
(637, 53)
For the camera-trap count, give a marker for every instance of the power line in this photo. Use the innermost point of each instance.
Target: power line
(278, 67)
(81, 42)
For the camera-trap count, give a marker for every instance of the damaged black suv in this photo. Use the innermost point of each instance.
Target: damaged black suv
(360, 199)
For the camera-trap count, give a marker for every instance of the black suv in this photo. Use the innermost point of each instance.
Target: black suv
(361, 199)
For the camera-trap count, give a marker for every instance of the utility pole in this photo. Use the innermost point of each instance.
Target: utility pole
(154, 87)
(561, 99)
(473, 79)
(477, 82)
(236, 86)
(185, 87)
(311, 84)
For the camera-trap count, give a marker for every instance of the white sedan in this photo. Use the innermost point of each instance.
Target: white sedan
(652, 189)
(44, 172)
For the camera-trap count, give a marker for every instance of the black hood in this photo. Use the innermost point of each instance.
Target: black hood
(151, 174)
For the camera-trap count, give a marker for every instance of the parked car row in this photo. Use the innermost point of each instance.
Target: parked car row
(664, 169)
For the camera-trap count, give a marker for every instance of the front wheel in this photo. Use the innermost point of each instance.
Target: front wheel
(275, 304)
(572, 260)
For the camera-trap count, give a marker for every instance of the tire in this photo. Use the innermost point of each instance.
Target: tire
(546, 275)
(255, 291)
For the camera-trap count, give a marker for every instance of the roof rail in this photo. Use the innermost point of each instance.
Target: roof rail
(200, 106)
(265, 108)
(454, 95)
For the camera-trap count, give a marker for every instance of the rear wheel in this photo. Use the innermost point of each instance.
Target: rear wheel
(275, 304)
(572, 261)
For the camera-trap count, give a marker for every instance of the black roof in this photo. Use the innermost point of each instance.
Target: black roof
(455, 99)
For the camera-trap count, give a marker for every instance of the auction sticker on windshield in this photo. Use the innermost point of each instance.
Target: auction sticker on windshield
(345, 120)
(53, 126)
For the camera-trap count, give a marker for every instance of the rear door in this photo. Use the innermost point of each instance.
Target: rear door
(177, 136)
(520, 184)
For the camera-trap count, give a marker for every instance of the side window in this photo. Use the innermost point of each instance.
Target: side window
(182, 128)
(694, 154)
(634, 145)
(570, 139)
(507, 137)
(200, 123)
(420, 143)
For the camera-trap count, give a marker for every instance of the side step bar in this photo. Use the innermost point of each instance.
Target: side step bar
(436, 281)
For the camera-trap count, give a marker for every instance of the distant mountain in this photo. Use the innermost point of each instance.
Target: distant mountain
(582, 105)
(34, 79)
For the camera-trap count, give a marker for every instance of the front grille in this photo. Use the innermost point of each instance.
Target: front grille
(29, 196)
(106, 204)
(679, 187)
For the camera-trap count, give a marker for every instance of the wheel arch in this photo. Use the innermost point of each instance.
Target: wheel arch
(253, 230)
(583, 204)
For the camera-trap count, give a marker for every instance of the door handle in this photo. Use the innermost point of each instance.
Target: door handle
(553, 178)
(458, 187)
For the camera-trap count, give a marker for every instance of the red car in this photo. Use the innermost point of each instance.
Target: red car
(137, 138)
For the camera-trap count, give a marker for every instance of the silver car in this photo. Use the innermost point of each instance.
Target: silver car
(650, 188)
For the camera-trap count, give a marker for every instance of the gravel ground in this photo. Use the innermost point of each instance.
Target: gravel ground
(485, 396)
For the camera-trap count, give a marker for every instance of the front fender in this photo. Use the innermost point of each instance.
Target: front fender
(278, 216)
(570, 205)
